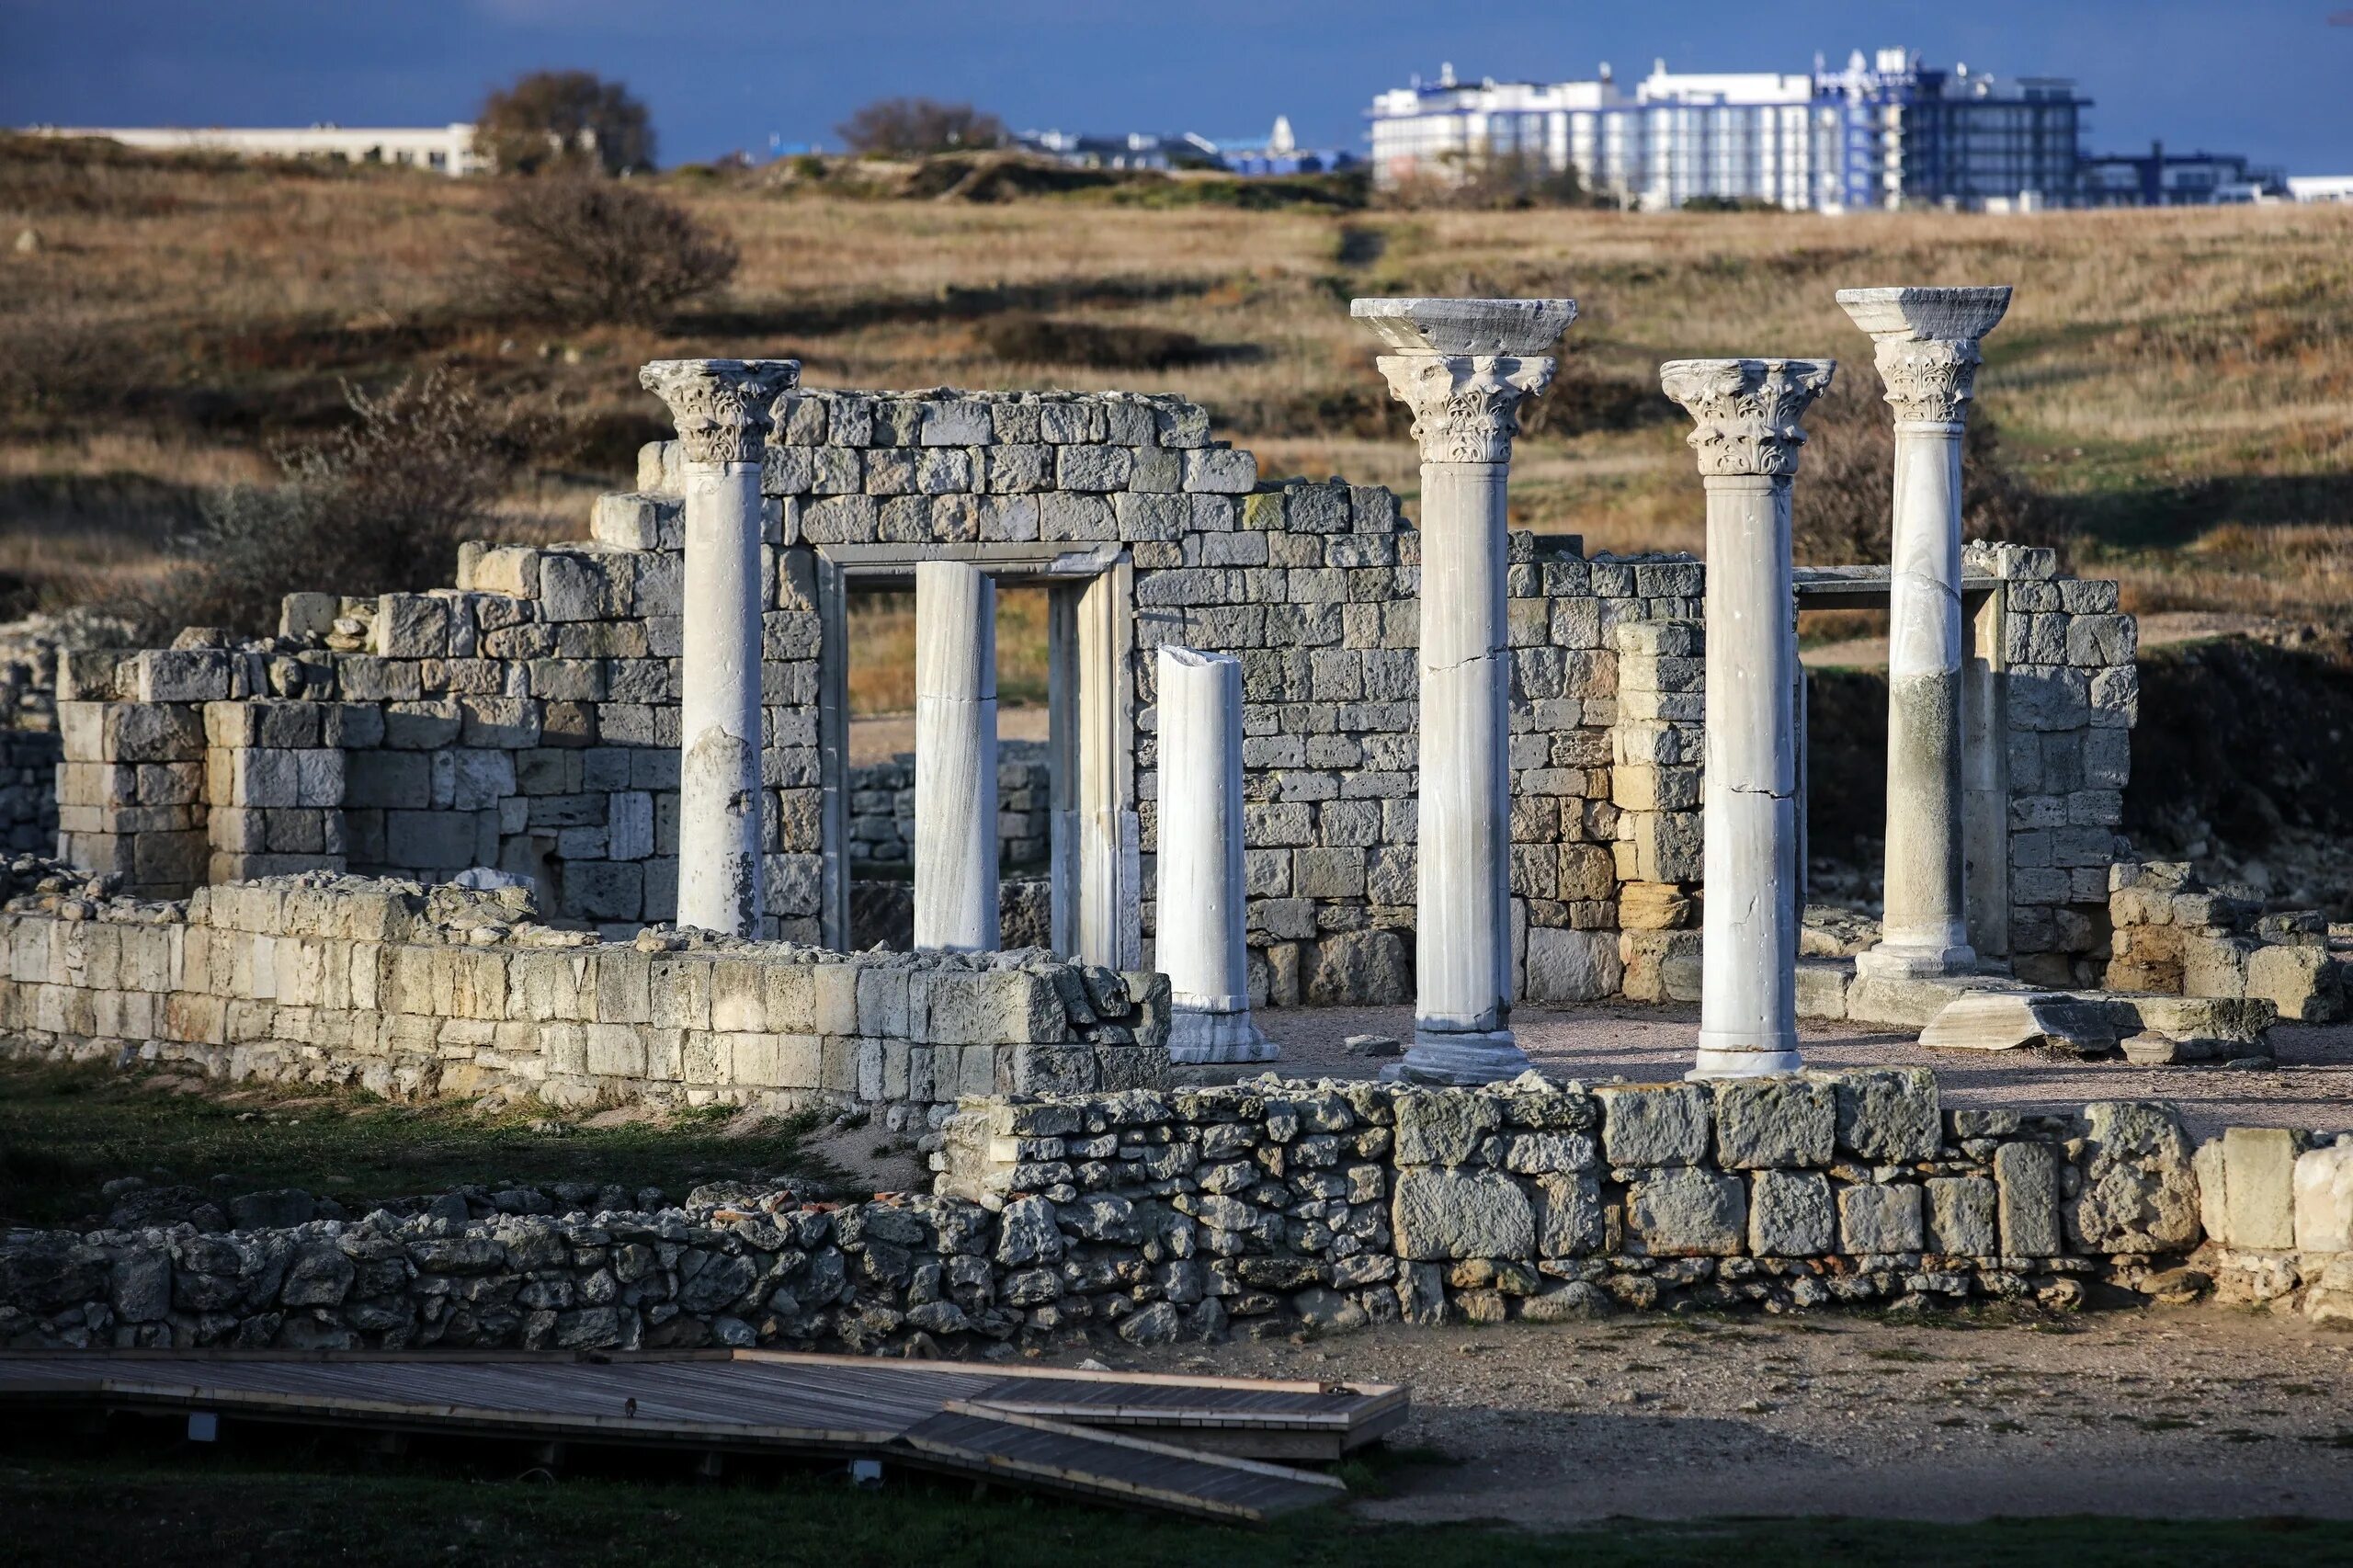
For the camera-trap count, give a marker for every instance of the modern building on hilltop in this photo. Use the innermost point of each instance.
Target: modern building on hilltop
(1277, 152)
(446, 149)
(1883, 133)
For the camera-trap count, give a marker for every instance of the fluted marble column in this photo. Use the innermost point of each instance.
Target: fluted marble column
(1927, 356)
(956, 881)
(722, 410)
(1200, 900)
(1747, 440)
(1464, 367)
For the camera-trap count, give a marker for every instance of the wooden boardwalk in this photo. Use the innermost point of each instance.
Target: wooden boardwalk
(1196, 1446)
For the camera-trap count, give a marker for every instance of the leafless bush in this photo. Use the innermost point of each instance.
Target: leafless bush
(581, 251)
(378, 507)
(550, 120)
(914, 126)
(1846, 482)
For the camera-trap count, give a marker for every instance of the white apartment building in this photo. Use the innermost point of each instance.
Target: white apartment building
(448, 149)
(1884, 133)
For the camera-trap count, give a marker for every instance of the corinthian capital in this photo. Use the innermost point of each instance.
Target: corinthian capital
(1927, 344)
(1747, 410)
(721, 405)
(1466, 406)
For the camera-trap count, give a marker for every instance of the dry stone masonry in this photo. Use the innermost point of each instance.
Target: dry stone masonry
(1266, 1208)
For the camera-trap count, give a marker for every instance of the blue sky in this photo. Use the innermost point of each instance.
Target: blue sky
(2269, 78)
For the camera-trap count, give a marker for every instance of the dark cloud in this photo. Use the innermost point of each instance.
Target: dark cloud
(2264, 77)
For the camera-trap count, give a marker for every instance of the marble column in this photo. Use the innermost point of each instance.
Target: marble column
(1747, 440)
(720, 407)
(956, 878)
(1927, 356)
(1464, 367)
(1200, 900)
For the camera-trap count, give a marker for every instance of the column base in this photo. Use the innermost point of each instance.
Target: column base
(1744, 1062)
(1203, 1039)
(1488, 1057)
(1916, 960)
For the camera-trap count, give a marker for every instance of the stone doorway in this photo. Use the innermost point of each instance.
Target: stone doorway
(1092, 859)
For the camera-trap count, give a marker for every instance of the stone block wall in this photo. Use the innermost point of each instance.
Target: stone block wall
(882, 809)
(407, 991)
(1266, 1208)
(527, 718)
(2175, 935)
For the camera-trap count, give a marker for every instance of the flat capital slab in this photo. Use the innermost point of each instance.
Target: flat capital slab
(1928, 315)
(1510, 328)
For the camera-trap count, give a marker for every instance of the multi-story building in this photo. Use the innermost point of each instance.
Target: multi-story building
(444, 149)
(1887, 132)
(2159, 179)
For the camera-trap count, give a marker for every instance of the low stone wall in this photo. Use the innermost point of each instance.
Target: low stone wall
(409, 991)
(1268, 1209)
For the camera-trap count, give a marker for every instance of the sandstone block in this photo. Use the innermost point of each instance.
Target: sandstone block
(2325, 1199)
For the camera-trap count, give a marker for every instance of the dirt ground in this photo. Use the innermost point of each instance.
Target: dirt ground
(2312, 1088)
(2173, 1412)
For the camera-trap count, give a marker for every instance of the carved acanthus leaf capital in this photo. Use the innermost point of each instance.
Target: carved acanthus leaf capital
(720, 406)
(1466, 406)
(1928, 379)
(1747, 410)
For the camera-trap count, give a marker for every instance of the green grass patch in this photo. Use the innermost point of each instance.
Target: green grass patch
(212, 1510)
(66, 1130)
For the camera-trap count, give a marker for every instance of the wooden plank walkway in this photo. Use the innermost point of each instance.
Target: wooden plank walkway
(1148, 1440)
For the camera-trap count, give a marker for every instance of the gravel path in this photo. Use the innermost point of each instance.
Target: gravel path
(2178, 1412)
(2312, 1087)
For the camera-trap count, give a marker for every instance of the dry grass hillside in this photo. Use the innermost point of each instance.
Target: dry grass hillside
(2174, 389)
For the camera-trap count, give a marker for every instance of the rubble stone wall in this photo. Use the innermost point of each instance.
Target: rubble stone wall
(1265, 1209)
(882, 809)
(409, 992)
(2173, 934)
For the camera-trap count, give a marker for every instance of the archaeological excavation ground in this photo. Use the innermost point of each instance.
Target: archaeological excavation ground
(1396, 945)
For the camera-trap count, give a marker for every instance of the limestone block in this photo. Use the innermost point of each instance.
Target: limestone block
(1654, 1124)
(2011, 1020)
(181, 674)
(1221, 471)
(1789, 1214)
(2325, 1199)
(2136, 1192)
(1888, 1115)
(1779, 1122)
(1438, 1214)
(1685, 1213)
(2301, 981)
(1570, 1221)
(1822, 988)
(1879, 1219)
(1963, 1217)
(1571, 966)
(1443, 1127)
(2026, 1178)
(2253, 1173)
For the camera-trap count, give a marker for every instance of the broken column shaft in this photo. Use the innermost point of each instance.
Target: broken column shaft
(955, 850)
(1747, 413)
(720, 407)
(1927, 357)
(1199, 904)
(1464, 367)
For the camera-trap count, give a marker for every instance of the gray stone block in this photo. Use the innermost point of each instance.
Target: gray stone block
(1654, 1124)
(1961, 1217)
(1789, 1214)
(1685, 1213)
(1879, 1219)
(1775, 1122)
(2027, 1177)
(1441, 1214)
(1888, 1114)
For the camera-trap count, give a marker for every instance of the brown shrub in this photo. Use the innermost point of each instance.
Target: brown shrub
(378, 507)
(1846, 482)
(582, 251)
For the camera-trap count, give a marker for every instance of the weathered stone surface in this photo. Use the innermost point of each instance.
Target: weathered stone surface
(2325, 1199)
(1879, 1219)
(1683, 1212)
(2027, 1176)
(1789, 1214)
(1440, 1214)
(2136, 1192)
(1775, 1122)
(1575, 1302)
(1440, 1129)
(1654, 1124)
(2016, 1020)
(1888, 1114)
(2254, 1203)
(1569, 1218)
(1963, 1217)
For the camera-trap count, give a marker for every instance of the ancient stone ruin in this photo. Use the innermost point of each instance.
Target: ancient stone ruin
(580, 827)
